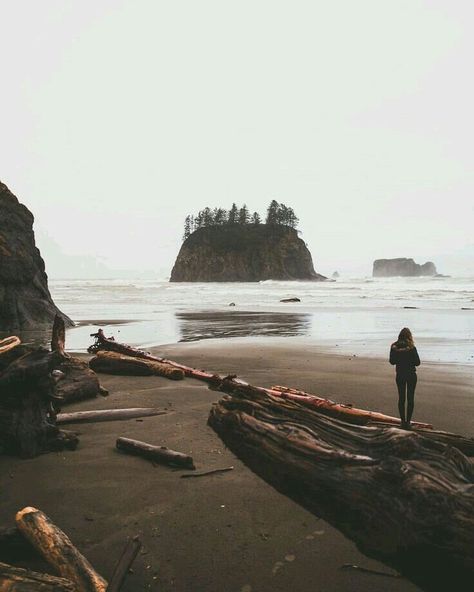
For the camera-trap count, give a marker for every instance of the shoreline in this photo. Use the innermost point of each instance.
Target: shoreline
(229, 531)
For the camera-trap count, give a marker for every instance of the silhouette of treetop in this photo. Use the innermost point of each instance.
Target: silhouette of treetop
(277, 214)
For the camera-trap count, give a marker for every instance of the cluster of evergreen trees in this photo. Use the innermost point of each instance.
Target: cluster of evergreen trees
(277, 213)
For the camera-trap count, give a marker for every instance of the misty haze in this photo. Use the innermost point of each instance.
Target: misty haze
(236, 247)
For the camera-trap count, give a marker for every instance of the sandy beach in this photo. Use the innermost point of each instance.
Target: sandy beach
(227, 531)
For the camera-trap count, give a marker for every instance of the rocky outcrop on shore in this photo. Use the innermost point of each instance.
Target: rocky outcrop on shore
(25, 301)
(402, 267)
(244, 253)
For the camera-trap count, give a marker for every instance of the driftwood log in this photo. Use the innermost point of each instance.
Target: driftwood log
(338, 410)
(16, 579)
(403, 498)
(102, 343)
(159, 454)
(111, 362)
(107, 415)
(56, 548)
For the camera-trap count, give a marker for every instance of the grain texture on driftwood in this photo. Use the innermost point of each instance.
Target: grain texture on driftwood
(159, 454)
(16, 579)
(57, 549)
(402, 498)
(111, 362)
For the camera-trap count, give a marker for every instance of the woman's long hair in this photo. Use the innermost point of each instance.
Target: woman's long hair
(405, 338)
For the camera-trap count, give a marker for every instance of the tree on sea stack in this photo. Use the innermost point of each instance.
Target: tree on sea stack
(233, 214)
(255, 219)
(187, 227)
(244, 215)
(272, 212)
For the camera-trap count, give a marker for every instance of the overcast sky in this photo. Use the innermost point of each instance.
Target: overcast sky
(118, 118)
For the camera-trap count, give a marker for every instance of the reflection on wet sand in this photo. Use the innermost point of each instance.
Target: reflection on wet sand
(194, 326)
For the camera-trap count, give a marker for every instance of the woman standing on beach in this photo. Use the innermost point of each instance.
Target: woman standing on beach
(404, 356)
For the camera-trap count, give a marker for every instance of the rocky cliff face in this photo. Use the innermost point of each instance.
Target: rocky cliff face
(25, 301)
(243, 253)
(402, 267)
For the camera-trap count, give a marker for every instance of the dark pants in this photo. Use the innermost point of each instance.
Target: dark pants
(406, 384)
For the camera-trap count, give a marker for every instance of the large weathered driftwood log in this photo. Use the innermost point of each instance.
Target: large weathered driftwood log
(111, 362)
(403, 498)
(160, 454)
(107, 415)
(58, 551)
(16, 579)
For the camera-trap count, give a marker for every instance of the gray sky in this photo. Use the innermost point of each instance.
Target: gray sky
(119, 118)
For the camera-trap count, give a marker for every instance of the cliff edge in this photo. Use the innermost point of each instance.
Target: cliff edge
(243, 253)
(25, 301)
(402, 267)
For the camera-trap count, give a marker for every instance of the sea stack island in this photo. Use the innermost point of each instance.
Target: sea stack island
(235, 246)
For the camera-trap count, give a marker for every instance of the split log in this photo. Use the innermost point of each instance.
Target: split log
(107, 415)
(114, 363)
(16, 579)
(160, 454)
(124, 564)
(403, 498)
(338, 410)
(58, 551)
(103, 343)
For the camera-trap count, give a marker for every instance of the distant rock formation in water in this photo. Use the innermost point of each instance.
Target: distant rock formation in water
(25, 301)
(244, 253)
(402, 267)
(335, 275)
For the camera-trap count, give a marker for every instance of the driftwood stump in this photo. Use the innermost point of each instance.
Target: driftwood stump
(33, 383)
(403, 498)
(27, 397)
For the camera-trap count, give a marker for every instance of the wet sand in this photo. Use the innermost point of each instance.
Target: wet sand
(224, 532)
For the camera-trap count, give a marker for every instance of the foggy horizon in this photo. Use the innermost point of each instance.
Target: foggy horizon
(121, 118)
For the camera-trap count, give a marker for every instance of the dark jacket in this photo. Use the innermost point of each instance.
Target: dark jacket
(404, 357)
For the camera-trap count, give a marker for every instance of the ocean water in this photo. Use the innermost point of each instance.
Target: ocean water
(357, 316)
